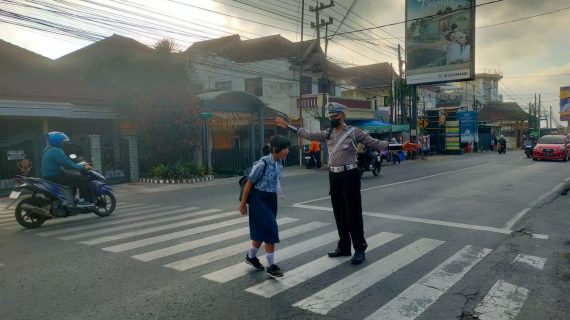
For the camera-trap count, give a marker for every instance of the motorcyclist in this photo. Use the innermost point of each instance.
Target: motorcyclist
(54, 161)
(502, 142)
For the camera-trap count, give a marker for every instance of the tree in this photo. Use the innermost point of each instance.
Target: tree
(154, 96)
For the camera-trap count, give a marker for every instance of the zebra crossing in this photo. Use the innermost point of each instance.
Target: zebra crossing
(172, 236)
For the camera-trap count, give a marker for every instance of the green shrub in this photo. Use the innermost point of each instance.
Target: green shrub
(178, 170)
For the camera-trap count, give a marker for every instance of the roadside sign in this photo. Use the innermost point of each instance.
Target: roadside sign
(206, 115)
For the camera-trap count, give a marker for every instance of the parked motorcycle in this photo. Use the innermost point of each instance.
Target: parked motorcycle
(42, 200)
(370, 162)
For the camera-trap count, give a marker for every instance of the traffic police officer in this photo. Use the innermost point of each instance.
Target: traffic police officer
(344, 177)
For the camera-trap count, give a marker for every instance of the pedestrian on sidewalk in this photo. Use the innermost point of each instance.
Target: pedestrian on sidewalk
(260, 197)
(344, 177)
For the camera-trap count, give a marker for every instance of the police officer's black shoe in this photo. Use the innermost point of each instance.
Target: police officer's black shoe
(339, 253)
(358, 257)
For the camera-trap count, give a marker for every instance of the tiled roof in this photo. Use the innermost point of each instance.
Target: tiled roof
(502, 111)
(372, 75)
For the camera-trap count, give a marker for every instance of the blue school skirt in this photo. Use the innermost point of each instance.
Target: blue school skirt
(263, 216)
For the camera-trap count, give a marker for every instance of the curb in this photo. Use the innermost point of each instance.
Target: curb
(176, 181)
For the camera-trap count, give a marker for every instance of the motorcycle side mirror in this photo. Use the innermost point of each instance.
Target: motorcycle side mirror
(72, 156)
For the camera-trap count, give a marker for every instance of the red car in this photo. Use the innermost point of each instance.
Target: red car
(551, 147)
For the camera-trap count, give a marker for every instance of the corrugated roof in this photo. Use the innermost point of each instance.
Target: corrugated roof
(371, 75)
(502, 111)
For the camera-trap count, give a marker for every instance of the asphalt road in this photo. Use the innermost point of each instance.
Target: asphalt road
(481, 236)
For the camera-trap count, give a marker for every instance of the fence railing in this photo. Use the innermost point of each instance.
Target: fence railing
(239, 161)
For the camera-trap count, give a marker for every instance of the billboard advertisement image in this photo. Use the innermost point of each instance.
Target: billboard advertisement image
(440, 41)
(565, 103)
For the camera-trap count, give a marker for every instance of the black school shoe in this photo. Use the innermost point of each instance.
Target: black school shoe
(339, 253)
(254, 262)
(274, 271)
(358, 257)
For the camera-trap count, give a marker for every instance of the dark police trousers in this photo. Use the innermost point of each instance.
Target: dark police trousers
(347, 208)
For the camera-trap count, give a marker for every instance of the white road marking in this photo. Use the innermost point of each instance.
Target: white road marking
(429, 221)
(193, 262)
(148, 256)
(503, 302)
(242, 269)
(417, 298)
(405, 181)
(181, 215)
(139, 232)
(174, 235)
(100, 223)
(292, 278)
(532, 261)
(518, 216)
(343, 290)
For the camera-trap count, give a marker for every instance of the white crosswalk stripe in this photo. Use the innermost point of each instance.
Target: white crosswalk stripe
(343, 290)
(174, 235)
(219, 254)
(130, 234)
(503, 302)
(185, 246)
(411, 303)
(179, 216)
(241, 269)
(269, 288)
(115, 220)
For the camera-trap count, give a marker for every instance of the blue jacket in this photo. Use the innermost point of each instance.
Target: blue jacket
(54, 160)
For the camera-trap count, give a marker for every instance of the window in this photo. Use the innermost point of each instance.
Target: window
(254, 86)
(223, 86)
(306, 85)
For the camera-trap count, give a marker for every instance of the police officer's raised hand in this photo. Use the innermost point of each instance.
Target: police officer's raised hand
(281, 122)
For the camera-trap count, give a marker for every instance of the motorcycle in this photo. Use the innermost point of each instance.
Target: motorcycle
(309, 158)
(528, 149)
(501, 148)
(42, 200)
(369, 162)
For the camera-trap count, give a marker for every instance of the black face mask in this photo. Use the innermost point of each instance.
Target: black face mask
(334, 123)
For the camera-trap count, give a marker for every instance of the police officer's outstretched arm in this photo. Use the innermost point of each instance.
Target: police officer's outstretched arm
(368, 141)
(317, 136)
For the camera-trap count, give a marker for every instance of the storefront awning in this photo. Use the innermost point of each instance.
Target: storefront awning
(372, 126)
(54, 110)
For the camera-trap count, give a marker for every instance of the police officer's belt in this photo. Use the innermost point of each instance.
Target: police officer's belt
(343, 168)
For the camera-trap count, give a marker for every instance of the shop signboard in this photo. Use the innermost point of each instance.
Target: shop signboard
(468, 126)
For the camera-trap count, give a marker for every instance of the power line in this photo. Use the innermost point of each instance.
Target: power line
(430, 16)
(344, 18)
(524, 18)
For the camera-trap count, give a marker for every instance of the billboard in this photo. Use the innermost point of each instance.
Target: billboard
(565, 103)
(440, 41)
(468, 126)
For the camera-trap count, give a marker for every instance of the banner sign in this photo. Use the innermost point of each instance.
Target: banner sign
(16, 155)
(468, 126)
(440, 41)
(452, 141)
(565, 103)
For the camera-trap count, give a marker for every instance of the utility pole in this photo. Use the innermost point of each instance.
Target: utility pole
(300, 61)
(400, 93)
(539, 115)
(550, 122)
(318, 25)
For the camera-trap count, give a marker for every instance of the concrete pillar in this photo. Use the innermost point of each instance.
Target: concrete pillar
(95, 145)
(133, 158)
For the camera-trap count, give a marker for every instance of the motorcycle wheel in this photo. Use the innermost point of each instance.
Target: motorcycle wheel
(376, 170)
(24, 218)
(105, 204)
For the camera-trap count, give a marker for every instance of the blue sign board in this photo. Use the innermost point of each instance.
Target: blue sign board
(468, 126)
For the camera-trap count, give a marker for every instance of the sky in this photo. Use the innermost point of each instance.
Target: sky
(532, 54)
